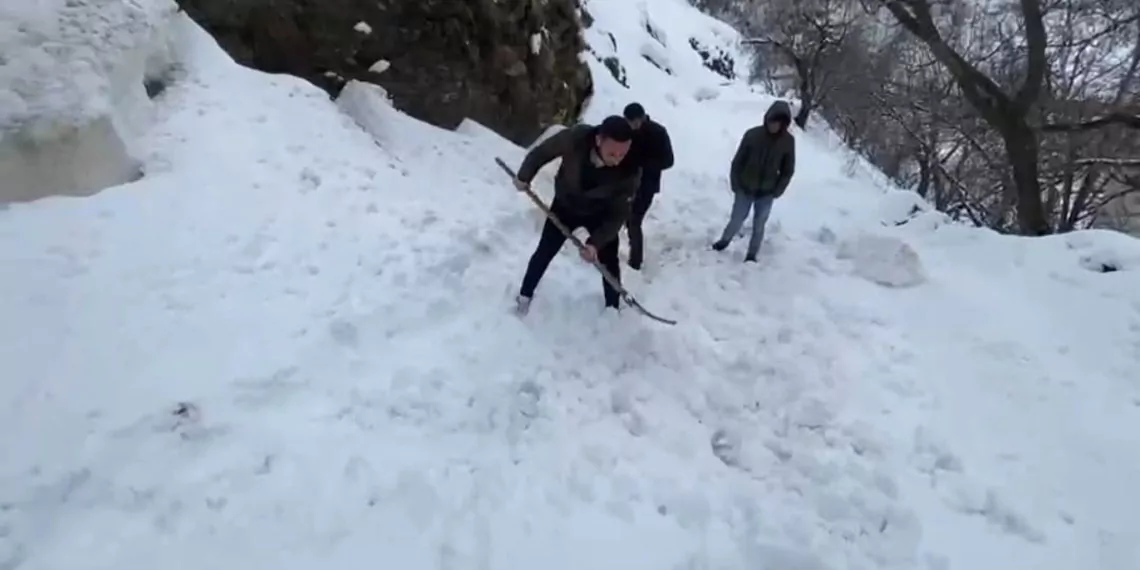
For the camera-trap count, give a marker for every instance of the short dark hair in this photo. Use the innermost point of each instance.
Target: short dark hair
(634, 111)
(616, 128)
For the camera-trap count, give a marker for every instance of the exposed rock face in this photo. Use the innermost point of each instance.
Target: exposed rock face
(512, 65)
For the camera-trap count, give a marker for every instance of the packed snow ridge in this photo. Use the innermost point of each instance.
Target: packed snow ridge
(73, 97)
(288, 345)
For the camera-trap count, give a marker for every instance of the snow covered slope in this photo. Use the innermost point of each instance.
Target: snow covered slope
(287, 347)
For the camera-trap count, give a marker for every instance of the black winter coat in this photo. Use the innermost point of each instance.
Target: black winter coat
(653, 151)
(608, 195)
(764, 162)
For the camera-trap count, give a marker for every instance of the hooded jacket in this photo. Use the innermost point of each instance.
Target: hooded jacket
(764, 162)
(610, 198)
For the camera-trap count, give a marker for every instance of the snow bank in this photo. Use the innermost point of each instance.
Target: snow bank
(369, 105)
(1104, 251)
(75, 161)
(705, 93)
(73, 99)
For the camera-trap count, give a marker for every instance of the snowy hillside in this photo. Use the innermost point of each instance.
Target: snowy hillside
(288, 346)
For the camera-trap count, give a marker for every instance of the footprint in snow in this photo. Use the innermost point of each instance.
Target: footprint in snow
(622, 407)
(344, 333)
(529, 395)
(726, 447)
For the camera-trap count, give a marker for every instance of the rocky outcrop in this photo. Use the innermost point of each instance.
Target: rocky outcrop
(512, 65)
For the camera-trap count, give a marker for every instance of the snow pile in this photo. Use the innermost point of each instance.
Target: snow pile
(370, 106)
(72, 96)
(1105, 252)
(289, 346)
(885, 260)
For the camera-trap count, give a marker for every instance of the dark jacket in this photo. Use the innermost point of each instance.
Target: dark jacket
(764, 162)
(610, 198)
(653, 150)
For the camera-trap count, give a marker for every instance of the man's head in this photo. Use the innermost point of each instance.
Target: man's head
(613, 140)
(635, 114)
(778, 117)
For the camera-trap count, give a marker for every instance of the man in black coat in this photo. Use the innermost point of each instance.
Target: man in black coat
(593, 189)
(653, 151)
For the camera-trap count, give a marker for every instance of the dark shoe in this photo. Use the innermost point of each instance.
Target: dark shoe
(750, 259)
(636, 256)
(720, 245)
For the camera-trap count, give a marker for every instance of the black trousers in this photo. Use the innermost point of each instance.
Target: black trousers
(641, 203)
(551, 243)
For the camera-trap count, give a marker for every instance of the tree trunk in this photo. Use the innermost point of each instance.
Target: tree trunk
(1021, 148)
(938, 189)
(802, 115)
(924, 175)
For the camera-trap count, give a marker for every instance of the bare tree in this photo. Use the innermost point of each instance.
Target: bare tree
(809, 36)
(1017, 115)
(1007, 78)
(1089, 139)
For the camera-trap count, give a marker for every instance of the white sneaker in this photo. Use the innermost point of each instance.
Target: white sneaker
(522, 305)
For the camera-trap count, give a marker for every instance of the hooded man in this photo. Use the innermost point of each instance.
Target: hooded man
(761, 170)
(653, 151)
(592, 189)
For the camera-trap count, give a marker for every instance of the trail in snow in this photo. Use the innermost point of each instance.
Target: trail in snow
(289, 346)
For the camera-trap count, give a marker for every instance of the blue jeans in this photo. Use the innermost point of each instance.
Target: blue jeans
(760, 207)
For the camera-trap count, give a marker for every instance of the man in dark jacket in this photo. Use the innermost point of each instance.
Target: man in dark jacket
(653, 151)
(761, 170)
(592, 189)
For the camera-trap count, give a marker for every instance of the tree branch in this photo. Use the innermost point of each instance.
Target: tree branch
(1124, 162)
(1129, 120)
(1036, 63)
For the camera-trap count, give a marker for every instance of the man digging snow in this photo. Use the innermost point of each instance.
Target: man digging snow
(592, 190)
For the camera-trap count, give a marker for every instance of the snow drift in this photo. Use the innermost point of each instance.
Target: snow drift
(301, 355)
(73, 92)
